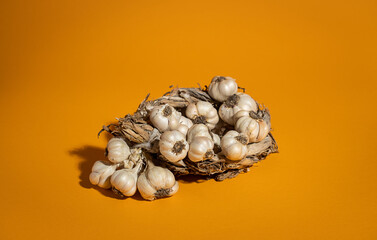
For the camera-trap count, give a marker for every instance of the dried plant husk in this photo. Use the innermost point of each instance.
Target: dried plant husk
(138, 131)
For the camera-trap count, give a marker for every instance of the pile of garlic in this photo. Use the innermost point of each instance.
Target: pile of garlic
(128, 170)
(185, 134)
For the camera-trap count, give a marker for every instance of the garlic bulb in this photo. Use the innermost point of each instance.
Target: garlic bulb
(198, 130)
(201, 148)
(101, 173)
(124, 180)
(234, 145)
(203, 112)
(255, 129)
(173, 146)
(156, 182)
(222, 87)
(117, 150)
(234, 104)
(165, 118)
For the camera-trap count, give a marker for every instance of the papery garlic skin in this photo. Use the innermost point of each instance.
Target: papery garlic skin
(101, 173)
(256, 130)
(201, 148)
(165, 118)
(117, 150)
(156, 182)
(222, 87)
(203, 112)
(234, 104)
(234, 145)
(173, 146)
(198, 130)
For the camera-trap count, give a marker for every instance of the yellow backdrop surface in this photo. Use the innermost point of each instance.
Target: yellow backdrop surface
(68, 67)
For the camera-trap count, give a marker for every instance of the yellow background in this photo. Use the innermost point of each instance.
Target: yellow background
(68, 67)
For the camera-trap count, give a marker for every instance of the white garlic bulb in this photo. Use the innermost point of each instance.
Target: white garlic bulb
(173, 146)
(101, 173)
(222, 87)
(125, 180)
(117, 150)
(201, 148)
(234, 145)
(234, 104)
(165, 118)
(256, 130)
(156, 182)
(198, 130)
(203, 112)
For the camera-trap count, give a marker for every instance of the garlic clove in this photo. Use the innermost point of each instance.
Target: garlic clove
(264, 129)
(183, 129)
(216, 138)
(169, 179)
(241, 113)
(157, 177)
(174, 189)
(101, 173)
(146, 190)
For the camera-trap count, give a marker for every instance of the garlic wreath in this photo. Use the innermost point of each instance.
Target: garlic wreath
(173, 146)
(101, 173)
(201, 148)
(255, 129)
(124, 180)
(222, 87)
(234, 145)
(203, 112)
(117, 150)
(156, 182)
(235, 103)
